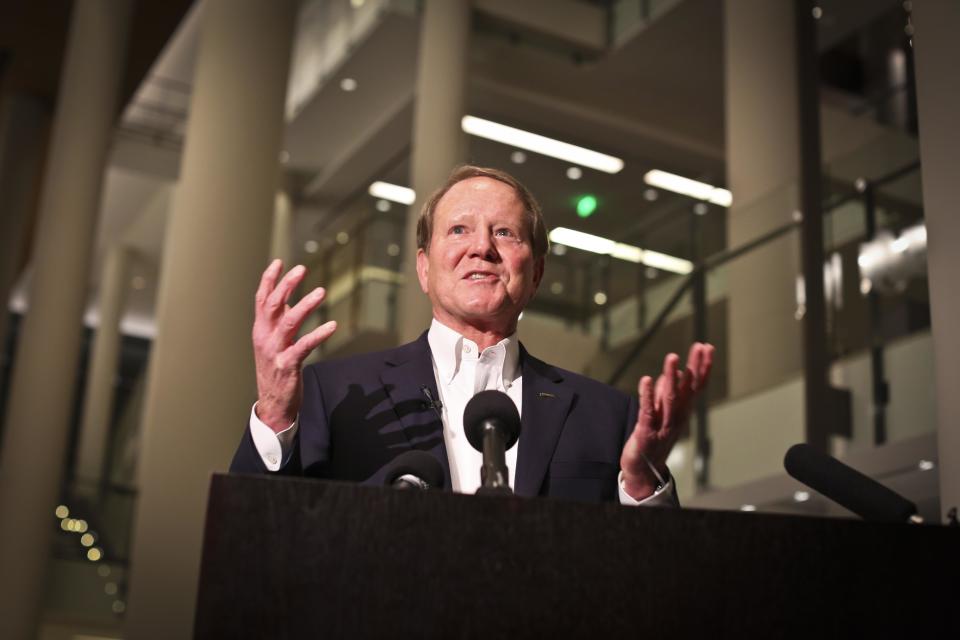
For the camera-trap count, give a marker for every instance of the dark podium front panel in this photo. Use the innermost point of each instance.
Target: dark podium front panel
(288, 558)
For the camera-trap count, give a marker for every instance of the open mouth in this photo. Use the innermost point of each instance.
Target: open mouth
(478, 276)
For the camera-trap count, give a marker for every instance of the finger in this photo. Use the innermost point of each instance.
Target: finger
(671, 375)
(706, 365)
(694, 361)
(658, 395)
(268, 281)
(671, 365)
(295, 316)
(278, 298)
(302, 347)
(687, 383)
(647, 416)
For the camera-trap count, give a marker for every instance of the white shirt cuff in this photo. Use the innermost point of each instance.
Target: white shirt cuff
(662, 497)
(274, 447)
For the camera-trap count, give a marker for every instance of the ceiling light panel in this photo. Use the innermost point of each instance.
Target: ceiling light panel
(392, 192)
(541, 144)
(688, 187)
(619, 250)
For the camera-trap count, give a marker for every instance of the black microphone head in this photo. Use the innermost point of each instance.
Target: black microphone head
(416, 463)
(495, 406)
(846, 486)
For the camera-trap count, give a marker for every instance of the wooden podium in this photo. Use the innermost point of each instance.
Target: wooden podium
(291, 558)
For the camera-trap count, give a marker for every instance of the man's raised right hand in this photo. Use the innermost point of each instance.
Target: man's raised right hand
(279, 356)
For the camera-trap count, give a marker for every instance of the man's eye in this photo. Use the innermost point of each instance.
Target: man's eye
(458, 229)
(504, 232)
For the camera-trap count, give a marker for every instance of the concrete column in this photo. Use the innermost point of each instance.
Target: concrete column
(41, 394)
(201, 379)
(281, 237)
(438, 142)
(936, 50)
(24, 122)
(102, 370)
(762, 172)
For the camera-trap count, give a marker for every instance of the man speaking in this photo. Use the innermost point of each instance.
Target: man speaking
(482, 244)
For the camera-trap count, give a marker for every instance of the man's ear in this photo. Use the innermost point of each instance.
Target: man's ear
(423, 269)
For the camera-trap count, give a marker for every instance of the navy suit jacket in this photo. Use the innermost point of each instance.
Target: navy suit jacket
(359, 413)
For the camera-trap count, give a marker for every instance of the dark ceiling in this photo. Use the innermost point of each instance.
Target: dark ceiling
(33, 37)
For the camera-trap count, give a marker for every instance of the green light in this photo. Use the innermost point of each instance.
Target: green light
(586, 205)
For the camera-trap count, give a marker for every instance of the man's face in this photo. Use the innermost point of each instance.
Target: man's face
(479, 271)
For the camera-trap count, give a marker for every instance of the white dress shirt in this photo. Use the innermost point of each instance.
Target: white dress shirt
(461, 370)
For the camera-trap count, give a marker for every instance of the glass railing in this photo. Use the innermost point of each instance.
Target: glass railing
(756, 401)
(358, 263)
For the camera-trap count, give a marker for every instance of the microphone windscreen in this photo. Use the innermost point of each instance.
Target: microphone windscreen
(491, 405)
(846, 486)
(416, 463)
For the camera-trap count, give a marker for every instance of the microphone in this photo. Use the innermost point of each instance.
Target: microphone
(436, 405)
(414, 470)
(492, 425)
(848, 487)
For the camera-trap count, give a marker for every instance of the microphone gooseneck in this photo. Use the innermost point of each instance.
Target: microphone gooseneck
(492, 425)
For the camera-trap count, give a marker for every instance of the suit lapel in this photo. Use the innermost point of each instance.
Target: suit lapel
(546, 404)
(409, 369)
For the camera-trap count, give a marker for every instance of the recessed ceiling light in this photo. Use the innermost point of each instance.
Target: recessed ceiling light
(574, 173)
(393, 192)
(700, 209)
(688, 187)
(556, 288)
(650, 195)
(311, 246)
(348, 84)
(541, 144)
(801, 496)
(518, 157)
(343, 237)
(600, 298)
(748, 507)
(383, 205)
(926, 465)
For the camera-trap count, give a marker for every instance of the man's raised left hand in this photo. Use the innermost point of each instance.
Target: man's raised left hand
(664, 414)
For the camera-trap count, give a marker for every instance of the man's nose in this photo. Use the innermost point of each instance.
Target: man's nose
(483, 245)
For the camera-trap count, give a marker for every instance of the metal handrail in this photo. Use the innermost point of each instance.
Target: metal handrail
(722, 257)
(706, 265)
